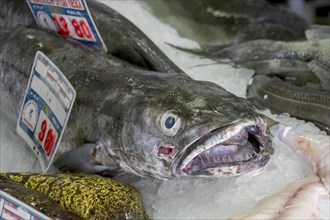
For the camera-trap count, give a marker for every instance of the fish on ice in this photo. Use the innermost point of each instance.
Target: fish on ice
(163, 125)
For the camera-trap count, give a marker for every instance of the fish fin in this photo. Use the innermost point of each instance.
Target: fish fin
(85, 159)
(205, 50)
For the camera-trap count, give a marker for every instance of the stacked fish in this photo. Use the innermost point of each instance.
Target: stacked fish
(135, 112)
(291, 63)
(127, 118)
(290, 58)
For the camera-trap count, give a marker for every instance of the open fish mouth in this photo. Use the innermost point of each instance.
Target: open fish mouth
(239, 148)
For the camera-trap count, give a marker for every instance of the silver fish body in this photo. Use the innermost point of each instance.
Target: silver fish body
(121, 37)
(146, 123)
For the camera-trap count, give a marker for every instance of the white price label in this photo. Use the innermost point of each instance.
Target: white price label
(13, 209)
(69, 18)
(45, 110)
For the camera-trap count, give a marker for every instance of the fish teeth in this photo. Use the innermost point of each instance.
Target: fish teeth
(201, 159)
(247, 157)
(241, 157)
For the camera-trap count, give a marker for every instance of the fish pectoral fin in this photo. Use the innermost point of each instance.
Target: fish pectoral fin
(86, 159)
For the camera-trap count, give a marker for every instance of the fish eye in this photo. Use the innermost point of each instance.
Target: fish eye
(170, 123)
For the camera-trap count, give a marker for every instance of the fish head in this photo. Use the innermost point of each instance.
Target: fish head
(205, 133)
(233, 149)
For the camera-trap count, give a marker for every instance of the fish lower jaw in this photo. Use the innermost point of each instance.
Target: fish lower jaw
(202, 162)
(226, 165)
(226, 169)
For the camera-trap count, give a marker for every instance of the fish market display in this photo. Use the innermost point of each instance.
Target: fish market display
(271, 41)
(167, 129)
(187, 198)
(280, 57)
(35, 199)
(304, 67)
(229, 22)
(122, 38)
(90, 197)
(303, 63)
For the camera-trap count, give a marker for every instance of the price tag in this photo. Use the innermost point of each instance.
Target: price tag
(45, 110)
(69, 18)
(12, 208)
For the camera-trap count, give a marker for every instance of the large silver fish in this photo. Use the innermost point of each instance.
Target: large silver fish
(122, 38)
(163, 125)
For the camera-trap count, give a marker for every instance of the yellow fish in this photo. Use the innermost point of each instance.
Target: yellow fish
(88, 196)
